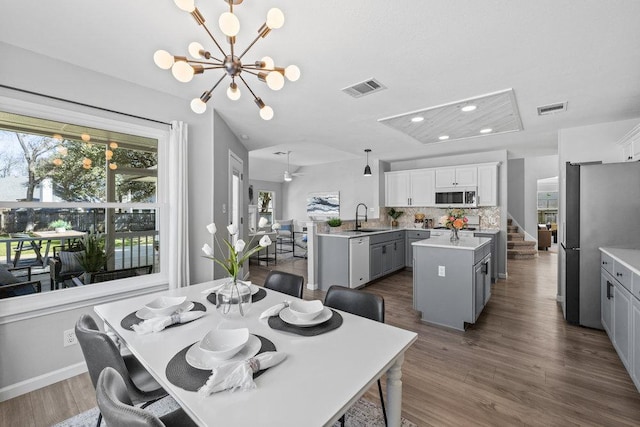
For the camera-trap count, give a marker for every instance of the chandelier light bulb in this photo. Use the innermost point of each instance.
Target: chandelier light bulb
(233, 93)
(113, 145)
(85, 137)
(229, 24)
(268, 63)
(113, 166)
(163, 59)
(275, 18)
(198, 106)
(57, 137)
(182, 71)
(275, 80)
(292, 72)
(266, 113)
(186, 5)
(194, 50)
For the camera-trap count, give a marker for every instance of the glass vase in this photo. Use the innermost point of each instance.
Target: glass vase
(234, 298)
(454, 235)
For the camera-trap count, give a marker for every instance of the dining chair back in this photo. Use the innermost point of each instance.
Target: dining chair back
(118, 410)
(287, 283)
(362, 304)
(100, 352)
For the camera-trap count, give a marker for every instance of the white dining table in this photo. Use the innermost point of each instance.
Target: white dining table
(321, 378)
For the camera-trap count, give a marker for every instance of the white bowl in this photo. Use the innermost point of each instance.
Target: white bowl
(223, 344)
(164, 306)
(306, 310)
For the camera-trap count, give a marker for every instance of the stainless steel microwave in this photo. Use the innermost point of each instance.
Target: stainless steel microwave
(457, 197)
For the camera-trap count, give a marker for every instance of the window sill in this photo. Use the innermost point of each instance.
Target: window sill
(37, 305)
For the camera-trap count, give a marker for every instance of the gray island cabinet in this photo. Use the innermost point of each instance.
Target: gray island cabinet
(451, 281)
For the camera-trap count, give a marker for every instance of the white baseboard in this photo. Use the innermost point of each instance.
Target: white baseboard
(503, 275)
(26, 386)
(312, 286)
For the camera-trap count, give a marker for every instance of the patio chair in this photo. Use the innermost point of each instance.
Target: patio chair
(12, 286)
(100, 352)
(287, 283)
(65, 264)
(118, 410)
(362, 304)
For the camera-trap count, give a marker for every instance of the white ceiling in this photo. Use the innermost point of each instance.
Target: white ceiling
(426, 53)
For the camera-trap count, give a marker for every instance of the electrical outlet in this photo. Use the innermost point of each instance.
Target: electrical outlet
(69, 337)
(441, 270)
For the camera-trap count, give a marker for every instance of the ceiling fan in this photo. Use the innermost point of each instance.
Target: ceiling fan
(288, 176)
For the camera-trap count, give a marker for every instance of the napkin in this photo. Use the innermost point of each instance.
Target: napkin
(239, 375)
(273, 311)
(156, 324)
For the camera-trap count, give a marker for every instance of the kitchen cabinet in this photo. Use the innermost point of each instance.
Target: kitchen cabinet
(635, 349)
(386, 253)
(463, 176)
(621, 321)
(493, 235)
(630, 144)
(488, 185)
(481, 285)
(413, 236)
(606, 303)
(410, 188)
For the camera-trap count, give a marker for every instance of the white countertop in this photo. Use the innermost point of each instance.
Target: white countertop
(465, 242)
(630, 258)
(348, 234)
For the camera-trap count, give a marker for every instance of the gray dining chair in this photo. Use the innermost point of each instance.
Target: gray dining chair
(118, 410)
(360, 303)
(287, 283)
(100, 352)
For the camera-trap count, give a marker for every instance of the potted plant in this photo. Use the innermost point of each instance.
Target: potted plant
(334, 222)
(60, 225)
(394, 214)
(94, 256)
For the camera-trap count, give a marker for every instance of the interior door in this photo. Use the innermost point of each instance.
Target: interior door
(236, 201)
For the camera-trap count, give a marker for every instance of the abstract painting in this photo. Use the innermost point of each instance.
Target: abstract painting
(323, 204)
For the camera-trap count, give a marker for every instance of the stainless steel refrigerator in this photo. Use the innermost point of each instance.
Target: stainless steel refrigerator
(602, 209)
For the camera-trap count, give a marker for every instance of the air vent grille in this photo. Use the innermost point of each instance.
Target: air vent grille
(366, 87)
(552, 108)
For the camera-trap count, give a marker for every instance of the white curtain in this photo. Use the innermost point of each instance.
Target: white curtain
(179, 207)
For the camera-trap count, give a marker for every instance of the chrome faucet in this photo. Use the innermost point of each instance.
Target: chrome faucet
(358, 226)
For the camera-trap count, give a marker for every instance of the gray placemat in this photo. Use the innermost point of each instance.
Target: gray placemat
(185, 376)
(254, 298)
(131, 318)
(334, 323)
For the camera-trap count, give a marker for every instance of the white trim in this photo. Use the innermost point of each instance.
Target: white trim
(503, 275)
(26, 386)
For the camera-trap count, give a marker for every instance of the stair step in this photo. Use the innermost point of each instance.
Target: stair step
(516, 255)
(521, 244)
(515, 236)
(512, 228)
(509, 221)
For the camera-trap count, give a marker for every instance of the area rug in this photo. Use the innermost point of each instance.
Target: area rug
(362, 414)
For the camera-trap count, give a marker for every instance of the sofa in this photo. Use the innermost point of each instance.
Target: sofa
(544, 239)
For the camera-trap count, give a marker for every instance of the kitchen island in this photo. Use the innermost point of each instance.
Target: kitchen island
(451, 280)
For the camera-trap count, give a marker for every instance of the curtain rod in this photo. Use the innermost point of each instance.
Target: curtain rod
(83, 104)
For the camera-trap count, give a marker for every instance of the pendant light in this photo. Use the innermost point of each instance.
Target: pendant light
(367, 169)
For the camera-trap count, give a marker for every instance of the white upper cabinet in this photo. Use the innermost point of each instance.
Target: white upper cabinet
(488, 185)
(466, 176)
(630, 144)
(410, 188)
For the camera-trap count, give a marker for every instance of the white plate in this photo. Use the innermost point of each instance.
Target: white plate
(144, 313)
(199, 359)
(288, 317)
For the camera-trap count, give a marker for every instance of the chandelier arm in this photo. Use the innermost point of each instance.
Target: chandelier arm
(245, 83)
(249, 47)
(214, 39)
(215, 67)
(194, 61)
(216, 85)
(255, 67)
(249, 72)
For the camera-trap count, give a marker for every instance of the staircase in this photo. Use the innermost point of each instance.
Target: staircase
(517, 247)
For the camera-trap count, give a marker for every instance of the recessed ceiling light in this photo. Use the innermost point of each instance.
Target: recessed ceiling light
(417, 119)
(443, 137)
(468, 108)
(486, 130)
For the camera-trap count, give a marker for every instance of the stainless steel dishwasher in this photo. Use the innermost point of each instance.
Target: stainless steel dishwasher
(358, 261)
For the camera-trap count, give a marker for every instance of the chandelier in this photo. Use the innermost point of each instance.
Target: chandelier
(183, 68)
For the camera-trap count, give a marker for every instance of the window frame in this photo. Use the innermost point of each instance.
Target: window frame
(30, 306)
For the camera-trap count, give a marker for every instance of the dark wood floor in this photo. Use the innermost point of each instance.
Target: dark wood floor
(521, 364)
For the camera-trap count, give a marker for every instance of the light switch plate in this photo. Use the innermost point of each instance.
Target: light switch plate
(441, 270)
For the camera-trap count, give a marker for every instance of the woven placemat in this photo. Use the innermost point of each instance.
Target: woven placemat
(185, 376)
(131, 318)
(334, 323)
(254, 298)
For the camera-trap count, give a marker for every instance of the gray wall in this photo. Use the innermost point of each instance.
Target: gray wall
(535, 168)
(31, 348)
(516, 190)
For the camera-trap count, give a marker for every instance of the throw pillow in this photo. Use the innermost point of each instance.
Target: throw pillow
(6, 278)
(70, 261)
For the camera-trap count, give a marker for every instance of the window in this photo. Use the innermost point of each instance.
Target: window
(61, 181)
(265, 205)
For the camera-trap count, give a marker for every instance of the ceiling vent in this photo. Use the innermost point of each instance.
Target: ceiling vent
(280, 153)
(552, 108)
(366, 87)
